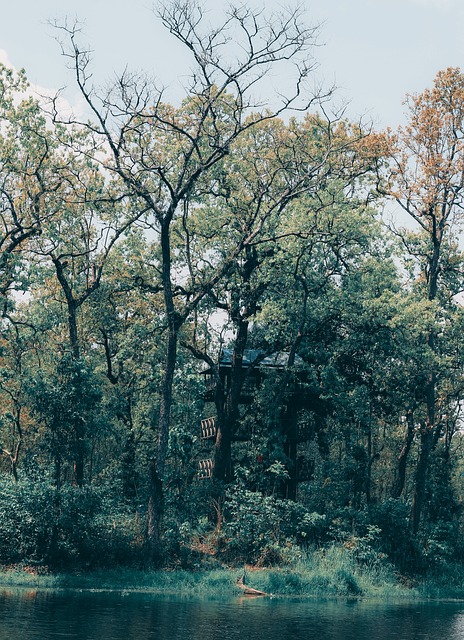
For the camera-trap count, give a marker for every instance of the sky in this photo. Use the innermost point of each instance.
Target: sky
(374, 51)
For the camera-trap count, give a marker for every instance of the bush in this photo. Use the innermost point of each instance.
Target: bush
(73, 526)
(264, 530)
(395, 539)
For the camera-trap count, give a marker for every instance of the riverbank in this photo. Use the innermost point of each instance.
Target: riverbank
(209, 584)
(331, 575)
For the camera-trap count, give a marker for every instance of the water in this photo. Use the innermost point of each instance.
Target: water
(49, 615)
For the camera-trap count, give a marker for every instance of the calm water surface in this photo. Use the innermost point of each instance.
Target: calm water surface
(43, 615)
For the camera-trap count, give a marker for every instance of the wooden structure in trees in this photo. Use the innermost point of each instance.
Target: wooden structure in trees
(208, 428)
(295, 428)
(205, 468)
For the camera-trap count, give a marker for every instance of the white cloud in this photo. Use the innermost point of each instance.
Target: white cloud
(4, 59)
(45, 95)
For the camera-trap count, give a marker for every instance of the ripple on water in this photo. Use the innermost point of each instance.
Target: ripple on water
(49, 615)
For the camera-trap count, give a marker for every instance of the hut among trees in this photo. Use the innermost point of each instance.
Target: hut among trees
(290, 427)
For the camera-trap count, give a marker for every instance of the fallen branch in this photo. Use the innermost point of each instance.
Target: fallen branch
(248, 591)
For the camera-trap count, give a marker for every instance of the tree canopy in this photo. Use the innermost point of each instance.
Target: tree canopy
(209, 328)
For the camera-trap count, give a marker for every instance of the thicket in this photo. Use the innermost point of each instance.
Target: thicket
(144, 247)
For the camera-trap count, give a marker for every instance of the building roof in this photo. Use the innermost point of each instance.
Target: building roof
(258, 358)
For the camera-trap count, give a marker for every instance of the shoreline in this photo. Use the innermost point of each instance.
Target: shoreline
(221, 583)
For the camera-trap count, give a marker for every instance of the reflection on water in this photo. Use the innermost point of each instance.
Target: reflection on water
(48, 615)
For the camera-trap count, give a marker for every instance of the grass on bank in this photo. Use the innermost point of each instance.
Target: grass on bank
(329, 573)
(332, 572)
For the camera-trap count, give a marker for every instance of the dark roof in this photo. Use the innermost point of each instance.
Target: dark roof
(257, 357)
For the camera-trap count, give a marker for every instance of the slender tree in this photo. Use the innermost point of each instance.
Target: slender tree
(426, 179)
(163, 153)
(286, 189)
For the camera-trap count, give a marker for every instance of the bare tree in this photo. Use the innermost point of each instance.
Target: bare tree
(164, 154)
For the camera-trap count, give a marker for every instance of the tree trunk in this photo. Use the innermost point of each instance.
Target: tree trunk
(426, 435)
(428, 430)
(400, 480)
(73, 336)
(72, 306)
(128, 460)
(166, 400)
(158, 463)
(231, 413)
(57, 473)
(428, 441)
(155, 515)
(79, 470)
(79, 451)
(290, 419)
(222, 468)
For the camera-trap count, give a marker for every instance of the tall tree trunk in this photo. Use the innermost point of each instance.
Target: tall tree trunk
(222, 467)
(72, 307)
(231, 414)
(223, 444)
(73, 335)
(128, 459)
(79, 470)
(428, 441)
(429, 429)
(426, 436)
(290, 418)
(400, 480)
(80, 435)
(371, 458)
(158, 462)
(155, 514)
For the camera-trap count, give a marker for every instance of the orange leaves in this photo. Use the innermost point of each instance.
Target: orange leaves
(426, 171)
(375, 145)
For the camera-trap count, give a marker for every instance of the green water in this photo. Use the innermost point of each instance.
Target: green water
(44, 615)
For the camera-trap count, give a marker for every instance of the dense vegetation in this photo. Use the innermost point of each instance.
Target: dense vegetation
(138, 244)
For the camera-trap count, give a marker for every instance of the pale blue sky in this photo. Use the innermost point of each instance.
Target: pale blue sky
(374, 50)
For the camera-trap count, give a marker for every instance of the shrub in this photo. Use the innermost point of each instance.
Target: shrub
(73, 526)
(395, 540)
(264, 530)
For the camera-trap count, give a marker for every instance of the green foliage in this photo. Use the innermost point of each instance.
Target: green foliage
(73, 527)
(67, 403)
(264, 530)
(237, 229)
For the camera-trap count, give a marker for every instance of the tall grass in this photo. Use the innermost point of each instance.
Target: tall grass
(330, 572)
(333, 572)
(443, 581)
(187, 583)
